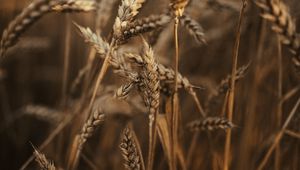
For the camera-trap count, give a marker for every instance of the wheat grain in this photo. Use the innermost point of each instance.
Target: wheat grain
(101, 46)
(149, 83)
(166, 75)
(41, 159)
(143, 25)
(76, 6)
(193, 27)
(123, 91)
(130, 153)
(126, 13)
(90, 126)
(283, 24)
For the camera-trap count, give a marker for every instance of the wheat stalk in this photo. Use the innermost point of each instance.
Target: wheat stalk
(126, 13)
(231, 93)
(210, 124)
(149, 87)
(178, 7)
(130, 151)
(224, 84)
(78, 79)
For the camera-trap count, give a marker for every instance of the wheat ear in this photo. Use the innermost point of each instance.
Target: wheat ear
(101, 46)
(149, 87)
(87, 131)
(167, 77)
(76, 6)
(130, 151)
(23, 21)
(90, 126)
(283, 24)
(144, 25)
(43, 162)
(209, 124)
(126, 13)
(193, 27)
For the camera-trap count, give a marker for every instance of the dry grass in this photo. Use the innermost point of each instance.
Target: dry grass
(136, 84)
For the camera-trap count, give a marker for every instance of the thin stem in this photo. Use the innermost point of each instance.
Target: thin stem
(198, 104)
(279, 136)
(66, 60)
(279, 106)
(55, 132)
(175, 99)
(292, 134)
(232, 86)
(101, 74)
(152, 141)
(289, 94)
(191, 150)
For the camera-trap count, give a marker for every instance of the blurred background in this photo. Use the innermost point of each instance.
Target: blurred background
(32, 75)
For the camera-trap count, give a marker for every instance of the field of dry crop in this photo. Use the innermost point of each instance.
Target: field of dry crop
(150, 84)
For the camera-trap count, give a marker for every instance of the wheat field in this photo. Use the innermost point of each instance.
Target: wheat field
(150, 84)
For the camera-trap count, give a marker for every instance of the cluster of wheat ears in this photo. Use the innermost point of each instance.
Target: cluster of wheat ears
(148, 86)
